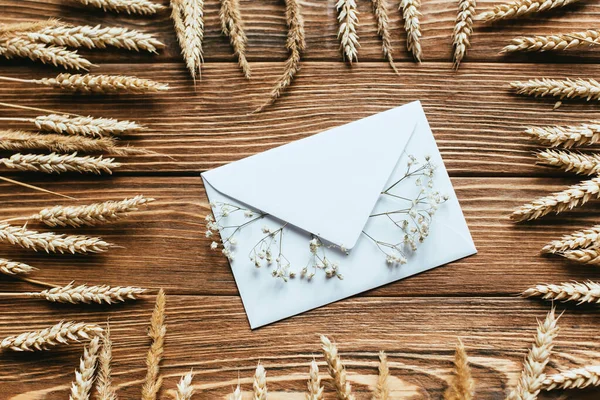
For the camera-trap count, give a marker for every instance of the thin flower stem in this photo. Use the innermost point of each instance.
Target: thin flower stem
(237, 229)
(35, 188)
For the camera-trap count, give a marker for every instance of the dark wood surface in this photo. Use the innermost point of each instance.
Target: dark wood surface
(478, 124)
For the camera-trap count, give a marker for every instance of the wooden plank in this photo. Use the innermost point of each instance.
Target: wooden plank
(165, 245)
(266, 30)
(211, 335)
(478, 122)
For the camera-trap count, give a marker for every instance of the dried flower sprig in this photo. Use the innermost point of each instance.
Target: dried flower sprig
(232, 26)
(462, 386)
(21, 47)
(567, 136)
(185, 390)
(62, 333)
(412, 26)
(157, 333)
(585, 292)
(84, 378)
(463, 29)
(142, 7)
(530, 382)
(262, 253)
(577, 378)
(104, 386)
(315, 389)
(519, 8)
(188, 19)
(318, 261)
(574, 196)
(260, 383)
(295, 45)
(348, 26)
(590, 255)
(382, 390)
(336, 369)
(88, 294)
(8, 267)
(585, 164)
(58, 164)
(557, 42)
(576, 240)
(97, 84)
(588, 89)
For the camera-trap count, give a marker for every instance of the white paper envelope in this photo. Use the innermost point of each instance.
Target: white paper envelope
(328, 188)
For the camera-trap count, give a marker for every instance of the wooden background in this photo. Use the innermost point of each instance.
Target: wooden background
(478, 125)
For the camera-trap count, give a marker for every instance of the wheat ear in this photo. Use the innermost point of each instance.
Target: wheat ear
(586, 292)
(237, 394)
(157, 333)
(188, 19)
(532, 375)
(580, 239)
(88, 294)
(462, 386)
(104, 387)
(185, 390)
(233, 27)
(553, 42)
(93, 37)
(21, 47)
(348, 25)
(578, 378)
(142, 7)
(28, 26)
(8, 267)
(463, 29)
(380, 9)
(295, 45)
(84, 126)
(382, 390)
(23, 141)
(315, 390)
(574, 196)
(56, 163)
(586, 164)
(62, 333)
(259, 386)
(84, 378)
(410, 12)
(588, 89)
(519, 8)
(567, 136)
(51, 242)
(591, 255)
(336, 369)
(90, 215)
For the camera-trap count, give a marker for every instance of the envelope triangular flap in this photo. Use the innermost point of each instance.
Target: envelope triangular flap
(326, 184)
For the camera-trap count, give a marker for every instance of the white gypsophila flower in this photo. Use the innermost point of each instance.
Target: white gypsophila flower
(214, 245)
(233, 241)
(266, 230)
(248, 214)
(313, 245)
(208, 233)
(208, 218)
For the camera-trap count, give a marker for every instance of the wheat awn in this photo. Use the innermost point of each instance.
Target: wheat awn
(577, 378)
(580, 239)
(56, 163)
(8, 267)
(336, 369)
(88, 294)
(557, 42)
(412, 25)
(20, 47)
(142, 7)
(567, 136)
(188, 19)
(463, 29)
(586, 164)
(348, 25)
(232, 26)
(585, 292)
(84, 378)
(519, 8)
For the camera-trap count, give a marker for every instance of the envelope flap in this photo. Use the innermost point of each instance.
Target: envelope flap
(326, 184)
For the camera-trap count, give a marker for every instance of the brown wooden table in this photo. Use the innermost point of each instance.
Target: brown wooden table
(478, 125)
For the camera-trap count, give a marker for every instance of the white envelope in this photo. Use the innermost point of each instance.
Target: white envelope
(330, 186)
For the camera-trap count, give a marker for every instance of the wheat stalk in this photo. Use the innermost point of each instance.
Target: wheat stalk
(93, 37)
(564, 89)
(58, 56)
(382, 390)
(591, 255)
(90, 215)
(157, 333)
(295, 45)
(237, 394)
(532, 375)
(574, 196)
(348, 24)
(12, 140)
(8, 267)
(101, 84)
(51, 242)
(567, 136)
(577, 378)
(410, 12)
(62, 333)
(380, 9)
(84, 378)
(586, 292)
(188, 19)
(143, 7)
(88, 294)
(519, 8)
(463, 29)
(84, 126)
(587, 164)
(336, 369)
(56, 163)
(575, 240)
(104, 387)
(462, 386)
(315, 390)
(259, 386)
(553, 42)
(233, 27)
(185, 390)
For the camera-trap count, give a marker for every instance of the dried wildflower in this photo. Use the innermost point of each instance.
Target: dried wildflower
(581, 239)
(62, 333)
(233, 27)
(462, 386)
(55, 163)
(586, 164)
(188, 18)
(88, 294)
(84, 378)
(185, 390)
(104, 387)
(410, 12)
(586, 292)
(577, 378)
(381, 15)
(157, 333)
(348, 21)
(84, 126)
(8, 267)
(519, 8)
(336, 369)
(567, 136)
(463, 29)
(21, 47)
(260, 383)
(315, 390)
(142, 7)
(557, 42)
